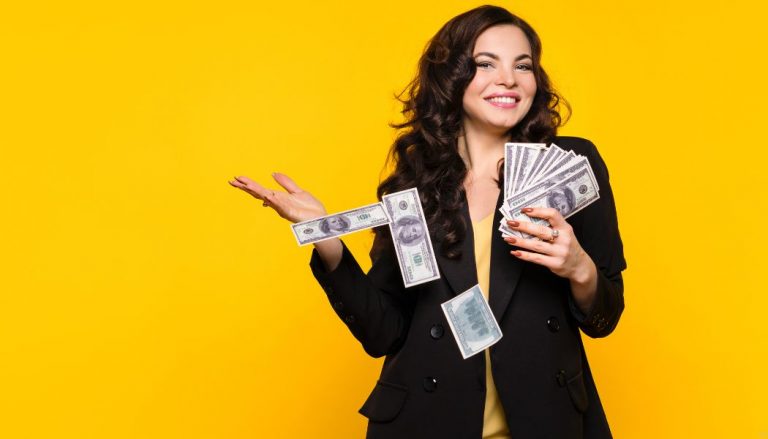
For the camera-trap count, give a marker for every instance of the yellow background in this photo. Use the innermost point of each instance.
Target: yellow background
(143, 297)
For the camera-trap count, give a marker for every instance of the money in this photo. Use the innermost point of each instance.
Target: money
(510, 152)
(519, 199)
(566, 184)
(338, 224)
(410, 237)
(473, 325)
(518, 162)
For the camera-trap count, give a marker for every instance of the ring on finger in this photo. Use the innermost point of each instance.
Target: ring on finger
(554, 234)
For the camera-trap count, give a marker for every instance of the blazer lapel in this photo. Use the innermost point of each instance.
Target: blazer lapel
(505, 268)
(460, 273)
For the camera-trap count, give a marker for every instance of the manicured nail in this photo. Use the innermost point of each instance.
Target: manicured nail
(513, 223)
(516, 253)
(527, 210)
(510, 240)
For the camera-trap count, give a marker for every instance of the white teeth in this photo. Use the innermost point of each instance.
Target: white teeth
(503, 99)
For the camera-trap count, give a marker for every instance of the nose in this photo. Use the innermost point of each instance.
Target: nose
(506, 77)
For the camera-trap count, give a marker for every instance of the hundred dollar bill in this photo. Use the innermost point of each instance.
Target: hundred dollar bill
(568, 195)
(527, 154)
(473, 325)
(510, 152)
(339, 224)
(410, 236)
(558, 159)
(540, 159)
(519, 199)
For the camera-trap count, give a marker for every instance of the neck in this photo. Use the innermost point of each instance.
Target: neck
(481, 150)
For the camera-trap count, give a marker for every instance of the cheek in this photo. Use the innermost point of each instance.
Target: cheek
(472, 91)
(530, 86)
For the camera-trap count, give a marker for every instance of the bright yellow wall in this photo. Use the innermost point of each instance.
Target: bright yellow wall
(143, 297)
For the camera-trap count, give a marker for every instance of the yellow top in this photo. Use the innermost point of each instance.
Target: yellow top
(494, 422)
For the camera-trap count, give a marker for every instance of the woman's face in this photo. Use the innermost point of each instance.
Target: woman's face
(502, 91)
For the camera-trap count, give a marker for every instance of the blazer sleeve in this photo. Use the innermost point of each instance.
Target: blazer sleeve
(597, 230)
(374, 306)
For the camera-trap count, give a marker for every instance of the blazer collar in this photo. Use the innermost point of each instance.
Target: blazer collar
(461, 273)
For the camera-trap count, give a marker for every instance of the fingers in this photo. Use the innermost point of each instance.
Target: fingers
(286, 182)
(537, 230)
(552, 216)
(252, 187)
(536, 258)
(535, 245)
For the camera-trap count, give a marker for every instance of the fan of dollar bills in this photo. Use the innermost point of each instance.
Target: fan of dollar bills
(539, 176)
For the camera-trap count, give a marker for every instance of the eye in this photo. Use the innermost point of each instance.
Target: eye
(524, 67)
(483, 64)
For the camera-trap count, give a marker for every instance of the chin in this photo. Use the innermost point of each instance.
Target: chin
(505, 125)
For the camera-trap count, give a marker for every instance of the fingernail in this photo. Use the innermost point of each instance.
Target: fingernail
(510, 240)
(513, 223)
(516, 253)
(527, 209)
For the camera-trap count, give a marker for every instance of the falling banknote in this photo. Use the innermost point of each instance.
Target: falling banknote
(410, 237)
(339, 224)
(473, 325)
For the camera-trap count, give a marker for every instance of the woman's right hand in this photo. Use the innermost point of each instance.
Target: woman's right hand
(295, 204)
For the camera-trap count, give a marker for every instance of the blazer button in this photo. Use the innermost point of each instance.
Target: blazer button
(436, 331)
(430, 384)
(338, 306)
(553, 324)
(349, 319)
(561, 378)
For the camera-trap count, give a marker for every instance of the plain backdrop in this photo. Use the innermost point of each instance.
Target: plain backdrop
(143, 297)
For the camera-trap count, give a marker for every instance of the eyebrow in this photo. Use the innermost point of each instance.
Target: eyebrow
(496, 57)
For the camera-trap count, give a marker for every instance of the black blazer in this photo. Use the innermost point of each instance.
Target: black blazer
(426, 389)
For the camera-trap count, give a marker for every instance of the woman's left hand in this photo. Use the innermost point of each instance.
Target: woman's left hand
(557, 247)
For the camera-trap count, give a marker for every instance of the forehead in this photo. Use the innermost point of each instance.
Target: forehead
(503, 40)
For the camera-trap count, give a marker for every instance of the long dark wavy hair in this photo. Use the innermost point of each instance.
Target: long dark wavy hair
(425, 154)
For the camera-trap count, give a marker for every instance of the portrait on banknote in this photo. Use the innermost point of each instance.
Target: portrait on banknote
(336, 223)
(410, 230)
(562, 199)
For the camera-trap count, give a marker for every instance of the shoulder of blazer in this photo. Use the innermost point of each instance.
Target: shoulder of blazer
(584, 147)
(578, 145)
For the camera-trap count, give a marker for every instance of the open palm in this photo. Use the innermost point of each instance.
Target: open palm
(293, 204)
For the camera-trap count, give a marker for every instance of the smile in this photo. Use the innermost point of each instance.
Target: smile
(503, 101)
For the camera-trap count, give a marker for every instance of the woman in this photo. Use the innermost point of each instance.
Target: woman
(480, 84)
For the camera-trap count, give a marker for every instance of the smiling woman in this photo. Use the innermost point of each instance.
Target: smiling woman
(479, 85)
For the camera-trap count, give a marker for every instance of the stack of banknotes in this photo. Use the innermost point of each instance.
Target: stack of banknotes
(539, 176)
(403, 213)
